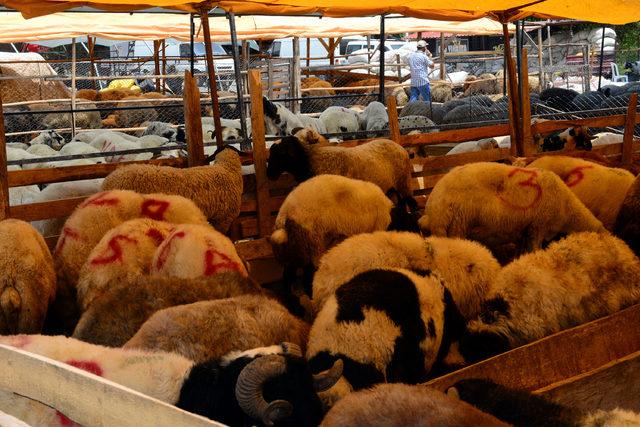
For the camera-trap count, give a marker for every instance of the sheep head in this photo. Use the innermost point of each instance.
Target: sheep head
(289, 155)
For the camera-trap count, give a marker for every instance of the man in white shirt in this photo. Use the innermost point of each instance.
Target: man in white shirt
(419, 63)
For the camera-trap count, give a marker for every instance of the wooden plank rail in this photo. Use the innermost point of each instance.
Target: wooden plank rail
(454, 135)
(45, 210)
(559, 356)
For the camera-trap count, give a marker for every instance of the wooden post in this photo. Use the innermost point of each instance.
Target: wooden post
(586, 81)
(213, 88)
(164, 65)
(394, 124)
(541, 76)
(398, 67)
(193, 121)
(443, 69)
(4, 183)
(308, 56)
(527, 138)
(91, 43)
(295, 76)
(156, 61)
(332, 48)
(382, 64)
(549, 44)
(259, 154)
(629, 125)
(74, 72)
(513, 93)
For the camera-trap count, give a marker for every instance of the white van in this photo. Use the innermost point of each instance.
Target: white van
(283, 48)
(359, 46)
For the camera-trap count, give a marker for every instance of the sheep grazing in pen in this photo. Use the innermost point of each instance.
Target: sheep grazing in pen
(210, 329)
(114, 317)
(216, 189)
(380, 161)
(267, 386)
(601, 189)
(402, 405)
(386, 325)
(28, 283)
(497, 204)
(575, 280)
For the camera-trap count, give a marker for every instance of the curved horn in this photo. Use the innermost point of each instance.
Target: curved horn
(291, 348)
(327, 379)
(249, 389)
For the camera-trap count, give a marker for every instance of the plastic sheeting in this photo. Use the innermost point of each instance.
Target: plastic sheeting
(154, 26)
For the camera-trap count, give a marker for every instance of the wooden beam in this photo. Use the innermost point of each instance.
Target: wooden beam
(213, 87)
(259, 154)
(394, 124)
(308, 56)
(553, 125)
(164, 65)
(326, 46)
(295, 76)
(527, 138)
(91, 43)
(193, 121)
(84, 397)
(443, 69)
(46, 210)
(514, 94)
(559, 356)
(629, 126)
(156, 61)
(454, 135)
(332, 48)
(614, 385)
(4, 186)
(541, 76)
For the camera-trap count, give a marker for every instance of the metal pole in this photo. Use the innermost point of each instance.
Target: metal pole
(381, 50)
(213, 88)
(244, 146)
(73, 87)
(192, 43)
(519, 59)
(601, 59)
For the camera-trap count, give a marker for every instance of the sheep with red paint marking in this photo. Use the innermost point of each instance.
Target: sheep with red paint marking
(266, 386)
(216, 188)
(28, 280)
(627, 225)
(193, 250)
(123, 254)
(210, 329)
(119, 312)
(497, 204)
(90, 221)
(601, 189)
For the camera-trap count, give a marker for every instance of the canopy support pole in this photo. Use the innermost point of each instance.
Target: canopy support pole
(192, 44)
(244, 145)
(213, 88)
(308, 55)
(521, 88)
(156, 61)
(92, 71)
(443, 68)
(381, 70)
(601, 59)
(4, 175)
(73, 86)
(541, 75)
(514, 110)
(164, 66)
(295, 76)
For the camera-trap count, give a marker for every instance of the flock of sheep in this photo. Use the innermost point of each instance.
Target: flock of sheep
(145, 289)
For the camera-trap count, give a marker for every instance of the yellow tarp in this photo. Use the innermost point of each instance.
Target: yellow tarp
(154, 26)
(603, 11)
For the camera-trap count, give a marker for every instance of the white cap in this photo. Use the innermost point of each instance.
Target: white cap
(422, 43)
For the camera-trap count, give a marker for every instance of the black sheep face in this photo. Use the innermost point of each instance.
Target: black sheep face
(288, 156)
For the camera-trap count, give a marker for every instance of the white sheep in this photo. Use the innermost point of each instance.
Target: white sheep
(42, 150)
(601, 189)
(339, 120)
(497, 204)
(386, 325)
(374, 117)
(124, 252)
(578, 279)
(606, 138)
(216, 188)
(466, 268)
(193, 250)
(473, 146)
(28, 278)
(79, 147)
(105, 143)
(22, 195)
(90, 135)
(209, 329)
(305, 154)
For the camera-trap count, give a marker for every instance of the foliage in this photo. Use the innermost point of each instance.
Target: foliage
(628, 38)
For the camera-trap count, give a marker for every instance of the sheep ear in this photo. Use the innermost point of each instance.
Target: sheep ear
(296, 130)
(453, 392)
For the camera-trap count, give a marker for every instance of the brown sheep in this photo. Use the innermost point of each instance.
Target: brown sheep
(441, 92)
(486, 84)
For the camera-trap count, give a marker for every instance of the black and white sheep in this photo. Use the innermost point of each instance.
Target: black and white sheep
(575, 280)
(339, 120)
(216, 188)
(569, 139)
(497, 204)
(386, 325)
(402, 405)
(381, 161)
(280, 121)
(269, 386)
